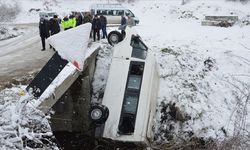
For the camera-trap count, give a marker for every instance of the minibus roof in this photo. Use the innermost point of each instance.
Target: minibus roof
(107, 6)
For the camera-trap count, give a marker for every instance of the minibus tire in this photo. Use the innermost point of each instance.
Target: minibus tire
(116, 36)
(98, 114)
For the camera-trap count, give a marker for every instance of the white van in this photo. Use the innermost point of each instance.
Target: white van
(129, 101)
(113, 12)
(48, 14)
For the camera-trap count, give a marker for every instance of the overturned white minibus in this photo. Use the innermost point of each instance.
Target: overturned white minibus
(129, 101)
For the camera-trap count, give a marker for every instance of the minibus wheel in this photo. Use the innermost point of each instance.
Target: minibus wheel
(98, 114)
(114, 37)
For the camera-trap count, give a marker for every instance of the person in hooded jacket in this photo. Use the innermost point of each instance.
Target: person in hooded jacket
(44, 30)
(96, 26)
(54, 25)
(103, 20)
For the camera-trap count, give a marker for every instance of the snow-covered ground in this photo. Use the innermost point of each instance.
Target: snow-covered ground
(22, 54)
(205, 71)
(22, 123)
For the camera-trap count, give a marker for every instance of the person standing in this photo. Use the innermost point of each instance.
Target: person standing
(123, 25)
(88, 18)
(130, 21)
(96, 26)
(65, 23)
(72, 21)
(103, 21)
(44, 30)
(54, 25)
(79, 19)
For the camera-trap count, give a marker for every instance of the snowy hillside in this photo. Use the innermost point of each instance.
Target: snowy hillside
(205, 71)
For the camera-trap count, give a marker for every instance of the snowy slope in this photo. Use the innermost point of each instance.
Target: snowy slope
(22, 123)
(205, 71)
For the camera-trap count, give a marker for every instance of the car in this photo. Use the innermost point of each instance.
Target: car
(128, 107)
(113, 12)
(47, 14)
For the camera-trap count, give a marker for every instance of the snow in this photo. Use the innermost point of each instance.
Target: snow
(9, 32)
(23, 53)
(206, 95)
(204, 70)
(62, 8)
(72, 44)
(103, 62)
(21, 122)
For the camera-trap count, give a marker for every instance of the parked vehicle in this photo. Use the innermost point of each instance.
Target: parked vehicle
(129, 101)
(113, 12)
(47, 14)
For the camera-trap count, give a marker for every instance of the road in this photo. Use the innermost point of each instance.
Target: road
(22, 55)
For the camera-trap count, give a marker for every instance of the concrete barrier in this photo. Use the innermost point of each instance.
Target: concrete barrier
(222, 18)
(221, 21)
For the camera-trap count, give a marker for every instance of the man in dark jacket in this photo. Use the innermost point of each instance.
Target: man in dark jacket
(44, 31)
(96, 26)
(123, 25)
(88, 18)
(54, 25)
(103, 20)
(79, 19)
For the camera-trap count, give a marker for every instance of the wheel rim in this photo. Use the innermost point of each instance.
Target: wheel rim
(96, 114)
(114, 38)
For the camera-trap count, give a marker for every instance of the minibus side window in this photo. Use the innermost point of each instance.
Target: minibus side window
(101, 12)
(98, 12)
(139, 48)
(131, 98)
(92, 11)
(129, 13)
(110, 12)
(120, 12)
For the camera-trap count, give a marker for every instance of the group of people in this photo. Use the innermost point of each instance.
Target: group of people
(75, 19)
(99, 23)
(48, 28)
(52, 26)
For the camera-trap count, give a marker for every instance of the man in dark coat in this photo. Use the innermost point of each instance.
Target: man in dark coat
(103, 20)
(88, 18)
(96, 26)
(79, 19)
(54, 25)
(123, 25)
(44, 31)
